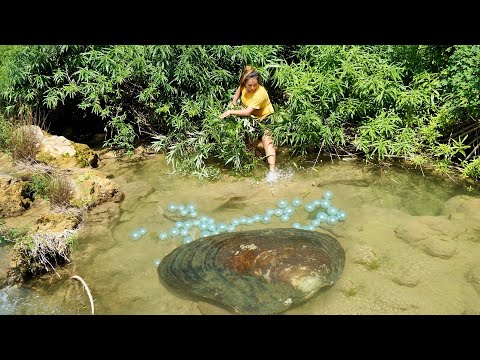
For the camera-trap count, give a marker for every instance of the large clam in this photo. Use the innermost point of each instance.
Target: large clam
(255, 272)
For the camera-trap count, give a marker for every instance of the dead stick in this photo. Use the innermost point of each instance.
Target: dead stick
(86, 289)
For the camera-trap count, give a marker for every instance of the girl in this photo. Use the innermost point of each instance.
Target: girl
(256, 104)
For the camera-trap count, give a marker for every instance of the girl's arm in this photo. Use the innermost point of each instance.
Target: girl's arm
(244, 112)
(236, 96)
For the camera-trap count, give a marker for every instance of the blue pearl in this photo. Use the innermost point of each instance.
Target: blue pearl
(282, 203)
(163, 236)
(235, 222)
(316, 222)
(142, 231)
(230, 228)
(203, 226)
(327, 194)
(179, 224)
(297, 202)
(135, 235)
(222, 227)
(278, 212)
(174, 232)
(193, 214)
(188, 224)
(184, 232)
(156, 262)
(321, 216)
(205, 233)
(309, 227)
(257, 218)
(284, 218)
(332, 220)
(269, 212)
(249, 221)
(211, 221)
(316, 203)
(266, 219)
(325, 203)
(191, 207)
(309, 207)
(289, 211)
(296, 225)
(243, 220)
(187, 239)
(332, 210)
(341, 215)
(196, 222)
(181, 207)
(212, 227)
(172, 207)
(184, 212)
(203, 218)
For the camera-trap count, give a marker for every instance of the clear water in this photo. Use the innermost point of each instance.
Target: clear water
(407, 251)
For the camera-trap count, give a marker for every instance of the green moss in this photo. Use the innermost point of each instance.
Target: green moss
(372, 265)
(8, 234)
(83, 154)
(350, 291)
(85, 176)
(45, 157)
(82, 202)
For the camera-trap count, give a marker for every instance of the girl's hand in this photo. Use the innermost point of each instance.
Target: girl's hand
(225, 114)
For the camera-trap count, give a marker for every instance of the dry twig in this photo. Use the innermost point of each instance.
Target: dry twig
(86, 289)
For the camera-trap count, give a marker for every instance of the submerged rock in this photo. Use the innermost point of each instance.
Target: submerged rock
(257, 271)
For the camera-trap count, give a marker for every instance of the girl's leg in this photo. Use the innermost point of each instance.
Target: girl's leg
(267, 142)
(253, 140)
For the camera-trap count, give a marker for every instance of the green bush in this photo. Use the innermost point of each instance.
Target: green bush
(8, 234)
(55, 188)
(372, 101)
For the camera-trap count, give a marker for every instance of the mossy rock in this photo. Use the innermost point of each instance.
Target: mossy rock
(85, 156)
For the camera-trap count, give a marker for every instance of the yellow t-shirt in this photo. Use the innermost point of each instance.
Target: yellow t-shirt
(258, 100)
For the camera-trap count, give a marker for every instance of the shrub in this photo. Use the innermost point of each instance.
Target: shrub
(54, 187)
(24, 139)
(42, 251)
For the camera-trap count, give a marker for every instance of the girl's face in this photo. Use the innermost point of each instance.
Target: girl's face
(251, 85)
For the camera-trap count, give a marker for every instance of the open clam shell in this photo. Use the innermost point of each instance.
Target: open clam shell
(255, 272)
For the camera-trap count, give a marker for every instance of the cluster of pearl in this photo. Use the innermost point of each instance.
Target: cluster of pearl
(329, 215)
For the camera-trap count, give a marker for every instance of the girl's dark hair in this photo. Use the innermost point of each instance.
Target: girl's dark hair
(249, 72)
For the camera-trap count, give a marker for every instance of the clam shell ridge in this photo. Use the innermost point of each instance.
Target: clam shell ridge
(255, 272)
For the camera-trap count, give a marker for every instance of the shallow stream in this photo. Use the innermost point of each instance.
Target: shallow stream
(411, 239)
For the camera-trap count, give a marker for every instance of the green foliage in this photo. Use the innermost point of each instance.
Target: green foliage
(450, 149)
(461, 83)
(6, 130)
(408, 101)
(459, 115)
(38, 185)
(23, 143)
(55, 188)
(194, 150)
(472, 169)
(8, 234)
(335, 88)
(416, 58)
(7, 53)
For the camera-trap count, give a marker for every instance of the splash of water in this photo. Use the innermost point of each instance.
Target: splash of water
(274, 177)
